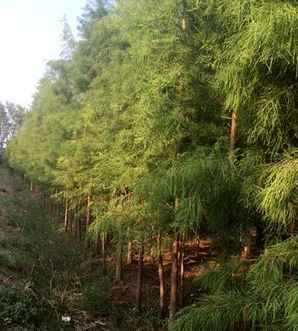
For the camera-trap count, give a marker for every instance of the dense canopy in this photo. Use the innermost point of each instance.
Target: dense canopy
(177, 118)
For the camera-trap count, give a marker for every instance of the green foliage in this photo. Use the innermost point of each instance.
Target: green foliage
(95, 298)
(17, 307)
(279, 196)
(136, 115)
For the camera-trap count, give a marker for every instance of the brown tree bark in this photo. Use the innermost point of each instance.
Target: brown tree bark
(152, 254)
(140, 277)
(87, 220)
(161, 277)
(88, 211)
(76, 223)
(57, 205)
(97, 246)
(233, 134)
(79, 226)
(174, 278)
(66, 219)
(198, 246)
(247, 251)
(181, 273)
(70, 220)
(119, 262)
(129, 253)
(103, 253)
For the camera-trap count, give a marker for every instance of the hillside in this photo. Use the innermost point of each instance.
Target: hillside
(40, 277)
(46, 280)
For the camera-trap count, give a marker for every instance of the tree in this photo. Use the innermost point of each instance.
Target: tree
(68, 41)
(4, 126)
(167, 119)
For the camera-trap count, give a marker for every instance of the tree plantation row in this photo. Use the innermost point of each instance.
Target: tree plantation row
(170, 121)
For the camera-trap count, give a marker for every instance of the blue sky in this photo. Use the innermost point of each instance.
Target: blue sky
(30, 35)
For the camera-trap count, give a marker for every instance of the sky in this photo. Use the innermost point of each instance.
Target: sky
(30, 35)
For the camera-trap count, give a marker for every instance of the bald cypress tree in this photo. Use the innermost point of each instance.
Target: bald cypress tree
(170, 118)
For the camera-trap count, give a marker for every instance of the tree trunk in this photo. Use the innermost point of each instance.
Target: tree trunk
(129, 253)
(57, 210)
(97, 246)
(79, 227)
(181, 273)
(45, 202)
(103, 253)
(152, 254)
(184, 18)
(198, 246)
(66, 220)
(119, 264)
(161, 278)
(87, 221)
(75, 217)
(70, 220)
(174, 278)
(140, 277)
(246, 252)
(50, 207)
(184, 24)
(88, 212)
(233, 134)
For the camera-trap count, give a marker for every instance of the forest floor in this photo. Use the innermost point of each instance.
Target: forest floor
(47, 283)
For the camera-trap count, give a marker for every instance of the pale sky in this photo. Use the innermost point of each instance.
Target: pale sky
(30, 35)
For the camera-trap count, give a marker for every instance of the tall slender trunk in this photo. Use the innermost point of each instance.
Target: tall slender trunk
(161, 277)
(61, 209)
(87, 220)
(181, 272)
(233, 134)
(79, 227)
(119, 262)
(97, 246)
(56, 212)
(174, 278)
(198, 246)
(129, 253)
(246, 251)
(75, 217)
(50, 206)
(184, 24)
(88, 211)
(70, 220)
(66, 220)
(46, 202)
(140, 277)
(57, 205)
(184, 17)
(152, 254)
(103, 252)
